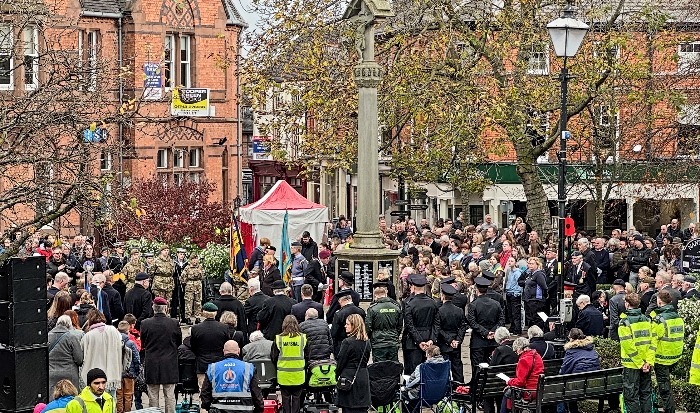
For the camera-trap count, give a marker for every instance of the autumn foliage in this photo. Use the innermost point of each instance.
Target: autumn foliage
(168, 213)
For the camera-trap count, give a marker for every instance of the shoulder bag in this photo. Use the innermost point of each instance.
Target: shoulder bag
(344, 383)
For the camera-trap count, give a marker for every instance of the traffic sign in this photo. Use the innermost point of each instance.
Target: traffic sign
(418, 207)
(401, 202)
(398, 213)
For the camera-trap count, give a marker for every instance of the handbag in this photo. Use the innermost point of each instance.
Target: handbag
(344, 383)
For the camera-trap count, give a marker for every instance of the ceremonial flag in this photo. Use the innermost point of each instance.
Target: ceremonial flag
(286, 261)
(238, 263)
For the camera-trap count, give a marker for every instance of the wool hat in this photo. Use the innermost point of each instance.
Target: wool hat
(211, 307)
(141, 276)
(160, 301)
(324, 254)
(639, 238)
(95, 374)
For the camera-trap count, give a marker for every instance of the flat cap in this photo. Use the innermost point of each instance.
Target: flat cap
(689, 279)
(447, 289)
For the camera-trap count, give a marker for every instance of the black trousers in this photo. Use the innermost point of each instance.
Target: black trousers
(411, 359)
(177, 303)
(532, 307)
(291, 398)
(456, 365)
(513, 311)
(477, 356)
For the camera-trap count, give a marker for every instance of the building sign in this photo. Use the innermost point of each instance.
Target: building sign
(690, 257)
(152, 81)
(190, 102)
(261, 148)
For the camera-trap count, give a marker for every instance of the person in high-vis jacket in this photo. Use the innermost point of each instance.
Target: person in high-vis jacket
(290, 353)
(668, 331)
(637, 356)
(230, 385)
(695, 363)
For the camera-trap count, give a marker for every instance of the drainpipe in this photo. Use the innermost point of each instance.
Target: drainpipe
(239, 131)
(121, 100)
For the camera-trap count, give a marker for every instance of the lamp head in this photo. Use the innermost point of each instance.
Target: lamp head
(567, 33)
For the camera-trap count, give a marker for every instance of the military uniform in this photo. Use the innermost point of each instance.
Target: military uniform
(130, 270)
(419, 317)
(667, 332)
(484, 316)
(452, 326)
(635, 350)
(384, 323)
(161, 272)
(192, 279)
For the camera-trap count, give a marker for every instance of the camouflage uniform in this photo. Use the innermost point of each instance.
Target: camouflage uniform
(161, 273)
(130, 270)
(192, 279)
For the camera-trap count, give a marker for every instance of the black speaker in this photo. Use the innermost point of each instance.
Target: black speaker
(24, 378)
(23, 279)
(23, 323)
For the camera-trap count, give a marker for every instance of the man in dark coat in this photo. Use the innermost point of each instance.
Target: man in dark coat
(338, 332)
(309, 248)
(616, 306)
(115, 299)
(208, 339)
(160, 338)
(227, 302)
(420, 319)
(663, 282)
(139, 301)
(429, 240)
(318, 335)
(580, 274)
(100, 297)
(584, 247)
(316, 274)
(274, 310)
(452, 326)
(689, 288)
(345, 282)
(589, 320)
(484, 316)
(299, 309)
(254, 304)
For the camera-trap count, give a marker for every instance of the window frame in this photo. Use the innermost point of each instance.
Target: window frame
(178, 60)
(106, 161)
(34, 55)
(92, 42)
(169, 61)
(195, 156)
(185, 65)
(179, 158)
(5, 51)
(689, 60)
(531, 70)
(162, 155)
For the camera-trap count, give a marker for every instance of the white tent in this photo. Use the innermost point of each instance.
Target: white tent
(267, 215)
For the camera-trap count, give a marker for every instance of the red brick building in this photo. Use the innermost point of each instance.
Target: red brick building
(163, 44)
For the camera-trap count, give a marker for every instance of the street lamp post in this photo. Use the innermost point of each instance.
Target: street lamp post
(567, 34)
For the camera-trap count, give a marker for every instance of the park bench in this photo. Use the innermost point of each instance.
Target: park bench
(487, 384)
(553, 389)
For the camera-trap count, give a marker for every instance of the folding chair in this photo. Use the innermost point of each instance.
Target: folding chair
(385, 377)
(435, 386)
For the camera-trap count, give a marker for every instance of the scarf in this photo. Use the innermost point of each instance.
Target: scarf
(102, 348)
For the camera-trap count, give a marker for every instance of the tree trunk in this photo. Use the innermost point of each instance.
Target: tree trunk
(538, 215)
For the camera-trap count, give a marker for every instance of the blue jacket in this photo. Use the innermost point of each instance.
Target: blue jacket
(580, 357)
(512, 286)
(590, 321)
(58, 405)
(135, 359)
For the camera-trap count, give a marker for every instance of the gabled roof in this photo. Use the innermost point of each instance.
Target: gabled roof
(101, 6)
(234, 18)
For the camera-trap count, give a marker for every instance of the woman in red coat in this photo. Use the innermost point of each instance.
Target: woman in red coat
(529, 368)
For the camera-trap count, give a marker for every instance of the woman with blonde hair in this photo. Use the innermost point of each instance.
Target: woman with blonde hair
(352, 365)
(86, 304)
(231, 320)
(63, 392)
(61, 303)
(290, 353)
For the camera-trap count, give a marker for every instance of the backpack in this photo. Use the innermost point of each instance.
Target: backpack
(127, 358)
(322, 373)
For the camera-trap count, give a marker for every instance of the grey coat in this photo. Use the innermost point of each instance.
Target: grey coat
(617, 307)
(66, 357)
(257, 350)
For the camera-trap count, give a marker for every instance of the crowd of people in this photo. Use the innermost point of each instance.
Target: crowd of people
(116, 321)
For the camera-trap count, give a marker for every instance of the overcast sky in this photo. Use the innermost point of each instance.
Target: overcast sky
(244, 7)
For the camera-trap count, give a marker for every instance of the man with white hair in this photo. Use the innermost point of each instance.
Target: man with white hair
(254, 303)
(689, 288)
(100, 297)
(677, 283)
(227, 302)
(259, 347)
(589, 320)
(584, 246)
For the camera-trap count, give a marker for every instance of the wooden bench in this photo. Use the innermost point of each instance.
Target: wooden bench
(487, 385)
(568, 388)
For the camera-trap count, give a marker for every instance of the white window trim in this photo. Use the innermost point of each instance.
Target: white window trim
(178, 178)
(92, 44)
(169, 64)
(107, 158)
(179, 158)
(158, 159)
(689, 61)
(11, 85)
(195, 160)
(34, 33)
(545, 52)
(185, 65)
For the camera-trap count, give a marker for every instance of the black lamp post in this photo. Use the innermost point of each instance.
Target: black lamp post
(567, 35)
(237, 203)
